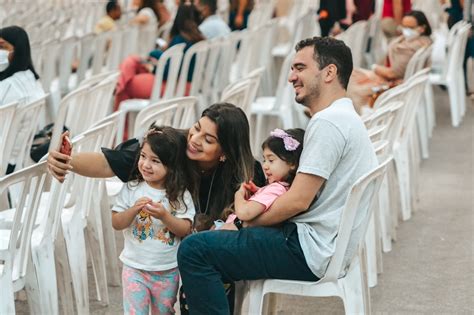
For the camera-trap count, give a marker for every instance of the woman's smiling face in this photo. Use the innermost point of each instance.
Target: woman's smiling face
(203, 144)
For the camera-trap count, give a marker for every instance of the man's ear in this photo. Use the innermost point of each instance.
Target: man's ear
(331, 73)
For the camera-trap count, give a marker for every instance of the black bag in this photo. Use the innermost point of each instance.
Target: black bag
(41, 141)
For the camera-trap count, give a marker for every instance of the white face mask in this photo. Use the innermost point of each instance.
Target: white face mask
(409, 33)
(4, 63)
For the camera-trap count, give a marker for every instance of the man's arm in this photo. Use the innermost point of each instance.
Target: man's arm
(296, 200)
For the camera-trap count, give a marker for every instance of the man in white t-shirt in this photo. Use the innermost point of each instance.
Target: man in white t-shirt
(212, 25)
(295, 238)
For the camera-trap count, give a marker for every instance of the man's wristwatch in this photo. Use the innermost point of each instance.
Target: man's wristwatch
(238, 223)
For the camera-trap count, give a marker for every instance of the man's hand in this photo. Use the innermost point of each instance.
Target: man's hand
(58, 163)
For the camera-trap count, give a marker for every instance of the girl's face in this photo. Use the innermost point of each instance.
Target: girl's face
(4, 45)
(203, 144)
(275, 168)
(151, 168)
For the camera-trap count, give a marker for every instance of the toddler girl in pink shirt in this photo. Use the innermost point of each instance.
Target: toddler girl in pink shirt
(281, 155)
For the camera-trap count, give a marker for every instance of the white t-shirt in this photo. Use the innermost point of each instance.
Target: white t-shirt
(337, 148)
(213, 26)
(148, 244)
(21, 87)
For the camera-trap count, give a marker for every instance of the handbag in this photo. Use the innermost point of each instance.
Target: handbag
(41, 141)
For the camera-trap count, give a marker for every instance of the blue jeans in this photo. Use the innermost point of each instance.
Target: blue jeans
(208, 259)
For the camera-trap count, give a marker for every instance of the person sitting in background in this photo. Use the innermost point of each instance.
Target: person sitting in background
(150, 12)
(416, 32)
(136, 79)
(212, 25)
(107, 22)
(239, 13)
(18, 78)
(392, 14)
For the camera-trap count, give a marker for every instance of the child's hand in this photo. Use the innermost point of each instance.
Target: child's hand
(250, 187)
(155, 209)
(141, 202)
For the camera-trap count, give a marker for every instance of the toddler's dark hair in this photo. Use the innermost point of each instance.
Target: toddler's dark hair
(169, 145)
(277, 146)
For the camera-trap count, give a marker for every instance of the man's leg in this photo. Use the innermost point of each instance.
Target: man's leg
(207, 259)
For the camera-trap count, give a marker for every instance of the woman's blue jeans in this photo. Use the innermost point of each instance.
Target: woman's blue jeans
(208, 259)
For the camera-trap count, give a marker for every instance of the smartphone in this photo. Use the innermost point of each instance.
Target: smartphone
(66, 146)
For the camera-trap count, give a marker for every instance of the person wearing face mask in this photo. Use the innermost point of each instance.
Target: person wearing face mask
(18, 78)
(416, 31)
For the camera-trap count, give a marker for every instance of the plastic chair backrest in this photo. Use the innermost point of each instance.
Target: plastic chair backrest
(87, 44)
(71, 113)
(101, 95)
(358, 205)
(162, 117)
(355, 37)
(114, 118)
(199, 52)
(66, 57)
(184, 115)
(29, 183)
(283, 87)
(7, 112)
(173, 57)
(24, 127)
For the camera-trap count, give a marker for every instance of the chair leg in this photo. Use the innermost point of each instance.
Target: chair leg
(356, 291)
(7, 298)
(42, 286)
(76, 252)
(95, 246)
(113, 272)
(385, 216)
(453, 103)
(422, 124)
(371, 253)
(256, 297)
(429, 103)
(63, 273)
(402, 168)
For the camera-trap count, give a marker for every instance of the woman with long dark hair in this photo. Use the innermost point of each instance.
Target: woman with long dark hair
(18, 78)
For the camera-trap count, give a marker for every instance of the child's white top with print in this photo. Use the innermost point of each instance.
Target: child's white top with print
(148, 244)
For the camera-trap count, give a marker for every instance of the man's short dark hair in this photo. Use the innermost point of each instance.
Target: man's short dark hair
(111, 5)
(328, 50)
(212, 4)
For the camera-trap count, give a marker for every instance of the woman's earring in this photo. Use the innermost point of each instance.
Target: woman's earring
(222, 158)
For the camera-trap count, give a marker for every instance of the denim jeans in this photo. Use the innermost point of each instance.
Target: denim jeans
(208, 259)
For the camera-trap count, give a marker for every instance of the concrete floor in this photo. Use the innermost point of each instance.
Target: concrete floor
(430, 269)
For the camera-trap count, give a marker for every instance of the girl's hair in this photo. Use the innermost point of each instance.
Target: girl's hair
(17, 36)
(186, 23)
(233, 135)
(421, 20)
(152, 4)
(277, 145)
(169, 145)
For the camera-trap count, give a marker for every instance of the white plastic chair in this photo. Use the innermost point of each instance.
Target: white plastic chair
(7, 112)
(356, 37)
(173, 56)
(281, 106)
(15, 242)
(347, 282)
(452, 76)
(80, 216)
(23, 128)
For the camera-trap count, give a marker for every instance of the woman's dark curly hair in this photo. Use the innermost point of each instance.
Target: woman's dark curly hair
(277, 146)
(169, 145)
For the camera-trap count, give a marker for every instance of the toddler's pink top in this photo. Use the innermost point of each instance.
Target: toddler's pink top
(267, 194)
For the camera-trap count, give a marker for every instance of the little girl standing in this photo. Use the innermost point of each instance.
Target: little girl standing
(155, 211)
(281, 156)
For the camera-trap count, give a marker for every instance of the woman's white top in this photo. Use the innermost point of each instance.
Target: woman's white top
(21, 87)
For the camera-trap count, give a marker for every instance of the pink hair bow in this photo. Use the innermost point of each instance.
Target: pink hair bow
(291, 144)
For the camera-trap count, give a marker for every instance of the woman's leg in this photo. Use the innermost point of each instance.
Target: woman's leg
(163, 286)
(132, 69)
(136, 295)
